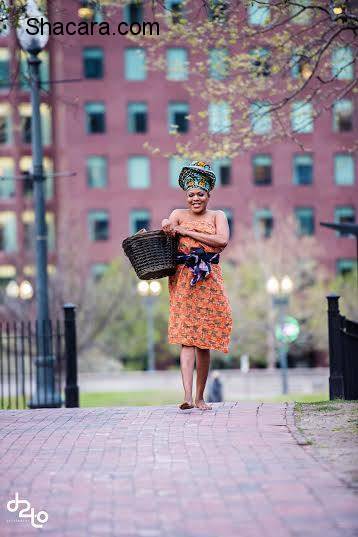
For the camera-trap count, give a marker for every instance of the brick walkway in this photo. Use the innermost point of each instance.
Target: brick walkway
(235, 471)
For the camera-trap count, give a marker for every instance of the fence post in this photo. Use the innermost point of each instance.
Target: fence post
(336, 383)
(71, 388)
(350, 370)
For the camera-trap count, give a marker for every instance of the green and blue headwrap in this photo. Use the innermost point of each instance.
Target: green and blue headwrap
(198, 174)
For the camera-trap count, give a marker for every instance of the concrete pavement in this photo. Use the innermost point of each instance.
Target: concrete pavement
(241, 469)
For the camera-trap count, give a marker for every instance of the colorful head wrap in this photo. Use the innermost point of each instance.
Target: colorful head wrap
(198, 174)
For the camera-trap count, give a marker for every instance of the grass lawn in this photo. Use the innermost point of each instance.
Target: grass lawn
(168, 397)
(163, 397)
(132, 398)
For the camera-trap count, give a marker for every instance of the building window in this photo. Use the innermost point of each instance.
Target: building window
(258, 15)
(98, 225)
(92, 62)
(342, 63)
(300, 14)
(222, 170)
(260, 117)
(344, 266)
(139, 219)
(44, 71)
(138, 172)
(98, 270)
(343, 115)
(5, 124)
(95, 117)
(96, 14)
(50, 223)
(175, 8)
(263, 223)
(26, 169)
(300, 65)
(46, 123)
(177, 64)
(217, 10)
(7, 272)
(301, 117)
(219, 117)
(28, 220)
(25, 112)
(7, 182)
(4, 68)
(97, 171)
(137, 117)
(176, 164)
(262, 169)
(305, 220)
(230, 219)
(135, 64)
(8, 239)
(178, 117)
(302, 170)
(133, 12)
(344, 169)
(218, 63)
(344, 214)
(4, 22)
(260, 61)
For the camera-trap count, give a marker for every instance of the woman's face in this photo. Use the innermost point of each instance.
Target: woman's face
(197, 199)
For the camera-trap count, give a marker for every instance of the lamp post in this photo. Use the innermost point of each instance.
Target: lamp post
(280, 292)
(33, 44)
(149, 290)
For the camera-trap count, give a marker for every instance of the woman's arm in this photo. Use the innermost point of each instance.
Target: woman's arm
(219, 239)
(168, 224)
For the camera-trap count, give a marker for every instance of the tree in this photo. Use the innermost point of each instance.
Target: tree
(255, 66)
(252, 260)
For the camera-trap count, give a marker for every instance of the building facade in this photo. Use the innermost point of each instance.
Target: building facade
(103, 103)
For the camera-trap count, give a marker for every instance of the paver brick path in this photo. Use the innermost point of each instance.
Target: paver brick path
(234, 471)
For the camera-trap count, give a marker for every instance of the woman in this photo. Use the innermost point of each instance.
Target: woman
(200, 315)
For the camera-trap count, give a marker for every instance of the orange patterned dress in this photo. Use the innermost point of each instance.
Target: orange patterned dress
(199, 315)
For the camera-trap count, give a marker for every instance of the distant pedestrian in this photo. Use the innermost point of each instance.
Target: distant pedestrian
(215, 388)
(200, 316)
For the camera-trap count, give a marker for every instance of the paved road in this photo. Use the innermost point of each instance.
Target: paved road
(235, 471)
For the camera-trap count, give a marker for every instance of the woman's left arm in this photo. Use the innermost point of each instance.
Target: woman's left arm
(219, 239)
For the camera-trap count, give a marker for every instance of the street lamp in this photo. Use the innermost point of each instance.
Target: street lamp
(149, 290)
(24, 290)
(280, 291)
(33, 45)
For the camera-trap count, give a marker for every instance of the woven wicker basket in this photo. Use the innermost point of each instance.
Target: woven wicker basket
(152, 254)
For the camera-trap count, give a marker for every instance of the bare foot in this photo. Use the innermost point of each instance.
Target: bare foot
(202, 405)
(186, 404)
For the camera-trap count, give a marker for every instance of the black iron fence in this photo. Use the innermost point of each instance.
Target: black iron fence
(32, 378)
(343, 353)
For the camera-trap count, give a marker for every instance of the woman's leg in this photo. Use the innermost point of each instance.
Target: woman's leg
(187, 360)
(202, 370)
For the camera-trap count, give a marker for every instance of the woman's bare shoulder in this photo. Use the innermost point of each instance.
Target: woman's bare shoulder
(181, 214)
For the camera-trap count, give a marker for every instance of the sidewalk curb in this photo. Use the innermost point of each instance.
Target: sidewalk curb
(290, 419)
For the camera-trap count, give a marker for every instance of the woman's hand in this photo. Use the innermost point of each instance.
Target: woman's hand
(181, 230)
(168, 227)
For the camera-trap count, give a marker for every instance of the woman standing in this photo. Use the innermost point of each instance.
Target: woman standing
(200, 317)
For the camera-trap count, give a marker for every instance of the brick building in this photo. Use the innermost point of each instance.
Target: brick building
(97, 127)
